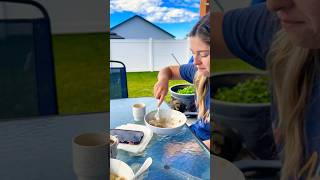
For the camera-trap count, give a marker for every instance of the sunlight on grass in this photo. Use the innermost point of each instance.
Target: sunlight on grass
(81, 72)
(221, 65)
(141, 84)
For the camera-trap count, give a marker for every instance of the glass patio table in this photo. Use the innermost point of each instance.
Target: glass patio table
(178, 156)
(40, 148)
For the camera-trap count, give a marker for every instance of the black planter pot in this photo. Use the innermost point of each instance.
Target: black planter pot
(182, 102)
(251, 121)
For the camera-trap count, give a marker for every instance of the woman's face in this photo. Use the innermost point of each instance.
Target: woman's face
(201, 55)
(300, 19)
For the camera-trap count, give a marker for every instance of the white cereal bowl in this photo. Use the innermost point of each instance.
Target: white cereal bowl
(174, 119)
(121, 169)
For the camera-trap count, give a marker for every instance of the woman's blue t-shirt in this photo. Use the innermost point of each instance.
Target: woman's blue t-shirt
(200, 128)
(248, 34)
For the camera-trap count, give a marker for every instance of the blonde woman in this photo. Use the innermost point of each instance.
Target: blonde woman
(283, 37)
(197, 73)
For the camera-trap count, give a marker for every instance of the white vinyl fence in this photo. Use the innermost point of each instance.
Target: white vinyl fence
(147, 54)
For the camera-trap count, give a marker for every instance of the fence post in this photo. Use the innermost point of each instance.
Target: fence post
(151, 68)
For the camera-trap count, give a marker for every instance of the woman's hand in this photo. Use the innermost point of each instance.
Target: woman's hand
(207, 143)
(160, 90)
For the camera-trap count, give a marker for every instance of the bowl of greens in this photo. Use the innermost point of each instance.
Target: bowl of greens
(254, 90)
(241, 101)
(182, 98)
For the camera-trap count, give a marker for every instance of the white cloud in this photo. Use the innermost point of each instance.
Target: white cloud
(186, 3)
(133, 5)
(195, 5)
(153, 10)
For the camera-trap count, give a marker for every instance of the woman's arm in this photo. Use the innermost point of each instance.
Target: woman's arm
(245, 33)
(170, 73)
(160, 89)
(220, 49)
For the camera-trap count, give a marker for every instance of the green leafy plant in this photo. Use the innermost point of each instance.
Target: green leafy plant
(249, 91)
(186, 90)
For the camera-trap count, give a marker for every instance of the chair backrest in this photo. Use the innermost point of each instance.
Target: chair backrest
(118, 80)
(27, 79)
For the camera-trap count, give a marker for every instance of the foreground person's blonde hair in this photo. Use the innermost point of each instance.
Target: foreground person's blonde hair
(293, 70)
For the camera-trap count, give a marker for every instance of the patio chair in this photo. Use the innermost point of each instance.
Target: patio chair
(229, 144)
(118, 80)
(260, 169)
(27, 80)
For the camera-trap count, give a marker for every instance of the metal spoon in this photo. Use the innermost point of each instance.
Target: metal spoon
(157, 115)
(143, 168)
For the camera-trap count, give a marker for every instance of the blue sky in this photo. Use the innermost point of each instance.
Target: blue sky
(175, 16)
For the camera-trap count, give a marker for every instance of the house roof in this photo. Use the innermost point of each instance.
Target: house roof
(115, 36)
(137, 16)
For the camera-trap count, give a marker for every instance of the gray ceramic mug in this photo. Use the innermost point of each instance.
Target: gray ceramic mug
(90, 156)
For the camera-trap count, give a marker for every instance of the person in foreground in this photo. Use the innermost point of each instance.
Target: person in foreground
(197, 73)
(283, 37)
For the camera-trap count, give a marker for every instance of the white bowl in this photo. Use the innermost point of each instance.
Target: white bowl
(172, 119)
(121, 169)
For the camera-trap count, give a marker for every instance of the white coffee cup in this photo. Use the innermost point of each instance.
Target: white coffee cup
(113, 146)
(138, 111)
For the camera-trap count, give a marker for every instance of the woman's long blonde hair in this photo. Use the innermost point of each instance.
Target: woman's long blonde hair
(201, 82)
(293, 71)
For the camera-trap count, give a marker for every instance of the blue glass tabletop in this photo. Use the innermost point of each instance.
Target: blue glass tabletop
(178, 156)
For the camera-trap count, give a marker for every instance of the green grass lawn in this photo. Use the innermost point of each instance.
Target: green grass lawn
(141, 84)
(81, 72)
(222, 65)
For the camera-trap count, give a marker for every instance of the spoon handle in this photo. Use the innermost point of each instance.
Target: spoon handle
(159, 103)
(143, 168)
(157, 115)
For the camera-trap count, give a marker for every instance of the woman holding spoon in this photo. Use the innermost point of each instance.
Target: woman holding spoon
(197, 73)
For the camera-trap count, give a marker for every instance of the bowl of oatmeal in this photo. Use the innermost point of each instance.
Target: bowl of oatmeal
(170, 122)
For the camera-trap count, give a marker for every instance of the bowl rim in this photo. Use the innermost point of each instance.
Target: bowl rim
(181, 125)
(122, 164)
(235, 104)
